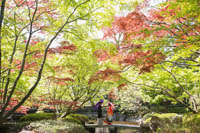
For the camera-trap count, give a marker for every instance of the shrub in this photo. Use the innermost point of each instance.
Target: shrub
(192, 121)
(82, 118)
(37, 116)
(72, 120)
(56, 126)
(190, 117)
(178, 110)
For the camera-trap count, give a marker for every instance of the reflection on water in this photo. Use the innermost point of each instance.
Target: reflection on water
(9, 129)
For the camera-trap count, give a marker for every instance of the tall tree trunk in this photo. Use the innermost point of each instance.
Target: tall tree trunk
(3, 2)
(1, 24)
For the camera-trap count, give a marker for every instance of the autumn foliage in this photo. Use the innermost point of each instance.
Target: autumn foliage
(60, 81)
(12, 103)
(62, 49)
(108, 74)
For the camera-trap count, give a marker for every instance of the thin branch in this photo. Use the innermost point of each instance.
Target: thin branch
(181, 64)
(165, 90)
(75, 35)
(11, 60)
(174, 77)
(20, 4)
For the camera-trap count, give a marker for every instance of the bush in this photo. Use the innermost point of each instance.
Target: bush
(170, 109)
(72, 120)
(76, 118)
(56, 126)
(192, 121)
(82, 118)
(37, 116)
(177, 110)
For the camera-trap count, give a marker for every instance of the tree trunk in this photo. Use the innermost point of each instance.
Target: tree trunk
(1, 24)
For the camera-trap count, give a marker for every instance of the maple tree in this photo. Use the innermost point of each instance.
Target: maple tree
(75, 70)
(143, 38)
(25, 49)
(168, 33)
(175, 30)
(123, 32)
(155, 49)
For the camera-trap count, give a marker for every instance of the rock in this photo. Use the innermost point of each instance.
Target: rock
(155, 123)
(25, 131)
(177, 119)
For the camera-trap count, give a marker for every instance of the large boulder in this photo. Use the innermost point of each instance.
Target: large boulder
(155, 123)
(156, 120)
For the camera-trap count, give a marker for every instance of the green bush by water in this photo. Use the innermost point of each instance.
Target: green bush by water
(76, 118)
(192, 121)
(71, 119)
(82, 118)
(37, 116)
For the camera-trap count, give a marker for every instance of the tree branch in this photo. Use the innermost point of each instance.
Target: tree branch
(175, 79)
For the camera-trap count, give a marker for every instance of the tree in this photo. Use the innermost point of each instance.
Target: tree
(169, 33)
(69, 79)
(25, 19)
(175, 30)
(176, 85)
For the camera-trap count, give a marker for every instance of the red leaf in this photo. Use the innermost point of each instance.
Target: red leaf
(102, 55)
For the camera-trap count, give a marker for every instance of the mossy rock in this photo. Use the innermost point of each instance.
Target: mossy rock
(147, 117)
(165, 117)
(38, 116)
(173, 130)
(156, 120)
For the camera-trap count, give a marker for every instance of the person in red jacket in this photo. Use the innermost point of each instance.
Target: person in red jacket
(109, 113)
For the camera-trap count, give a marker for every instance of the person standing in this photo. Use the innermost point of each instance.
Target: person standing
(102, 129)
(109, 117)
(98, 106)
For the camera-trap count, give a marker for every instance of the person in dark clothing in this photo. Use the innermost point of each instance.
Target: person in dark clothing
(100, 111)
(98, 107)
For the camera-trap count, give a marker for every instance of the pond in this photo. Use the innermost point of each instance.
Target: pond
(10, 128)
